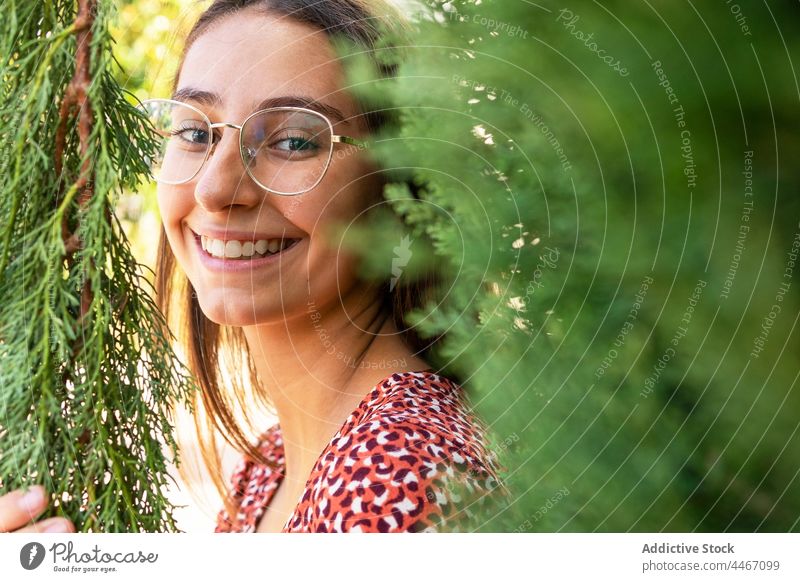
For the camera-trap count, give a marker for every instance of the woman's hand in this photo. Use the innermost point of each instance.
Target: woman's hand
(20, 507)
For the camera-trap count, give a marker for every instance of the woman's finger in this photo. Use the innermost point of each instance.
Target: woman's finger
(20, 507)
(52, 525)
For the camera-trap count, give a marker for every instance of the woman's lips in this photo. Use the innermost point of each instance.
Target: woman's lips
(221, 265)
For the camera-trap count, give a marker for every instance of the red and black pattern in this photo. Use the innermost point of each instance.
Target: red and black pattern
(396, 465)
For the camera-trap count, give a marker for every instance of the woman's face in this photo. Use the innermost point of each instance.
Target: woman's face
(244, 59)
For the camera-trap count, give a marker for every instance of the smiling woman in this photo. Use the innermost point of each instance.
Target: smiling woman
(368, 437)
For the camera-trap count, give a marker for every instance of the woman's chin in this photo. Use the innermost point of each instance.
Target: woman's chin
(235, 313)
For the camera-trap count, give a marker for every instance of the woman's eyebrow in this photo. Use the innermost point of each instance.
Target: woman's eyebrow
(210, 98)
(192, 94)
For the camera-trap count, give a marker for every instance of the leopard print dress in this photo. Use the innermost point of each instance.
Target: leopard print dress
(409, 458)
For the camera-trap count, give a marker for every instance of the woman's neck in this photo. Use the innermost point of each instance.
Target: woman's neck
(310, 371)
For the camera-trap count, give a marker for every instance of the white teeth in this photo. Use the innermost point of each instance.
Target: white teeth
(217, 248)
(261, 247)
(234, 249)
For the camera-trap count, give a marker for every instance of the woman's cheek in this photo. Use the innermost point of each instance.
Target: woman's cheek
(174, 210)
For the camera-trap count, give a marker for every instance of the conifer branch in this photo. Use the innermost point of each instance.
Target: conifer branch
(89, 378)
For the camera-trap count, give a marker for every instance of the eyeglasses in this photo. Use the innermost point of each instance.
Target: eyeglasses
(285, 150)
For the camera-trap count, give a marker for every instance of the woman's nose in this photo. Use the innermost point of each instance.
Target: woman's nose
(223, 180)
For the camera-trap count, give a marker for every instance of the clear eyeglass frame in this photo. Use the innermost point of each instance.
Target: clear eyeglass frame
(335, 138)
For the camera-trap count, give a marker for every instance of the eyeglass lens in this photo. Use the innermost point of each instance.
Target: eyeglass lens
(285, 150)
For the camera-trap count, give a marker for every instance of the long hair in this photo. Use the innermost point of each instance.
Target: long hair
(205, 343)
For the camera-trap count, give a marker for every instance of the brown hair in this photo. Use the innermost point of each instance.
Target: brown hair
(205, 342)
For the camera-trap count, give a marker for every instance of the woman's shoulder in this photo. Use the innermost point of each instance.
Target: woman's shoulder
(415, 456)
(252, 482)
(428, 410)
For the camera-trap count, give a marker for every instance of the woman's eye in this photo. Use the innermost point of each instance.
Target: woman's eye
(295, 144)
(192, 135)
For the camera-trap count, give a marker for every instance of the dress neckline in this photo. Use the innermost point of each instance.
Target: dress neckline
(274, 437)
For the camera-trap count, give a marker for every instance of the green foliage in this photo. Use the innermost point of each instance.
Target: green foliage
(615, 252)
(87, 373)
